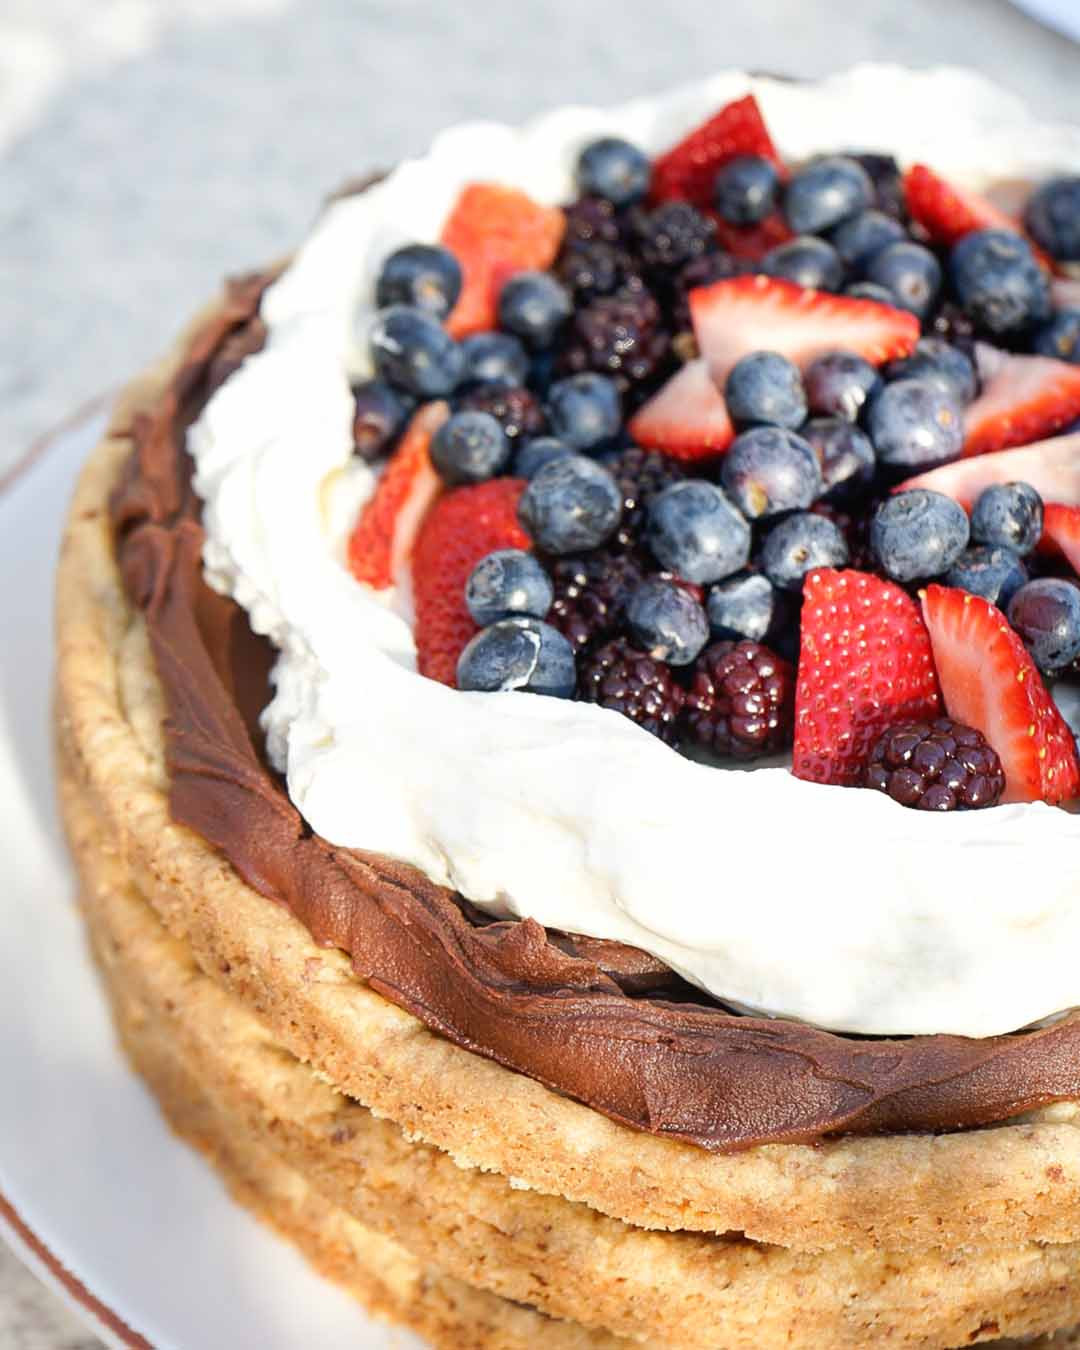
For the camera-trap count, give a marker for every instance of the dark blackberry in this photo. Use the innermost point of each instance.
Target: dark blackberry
(888, 184)
(589, 270)
(702, 271)
(516, 409)
(855, 527)
(591, 220)
(936, 766)
(954, 325)
(619, 677)
(741, 700)
(640, 474)
(618, 335)
(591, 593)
(671, 235)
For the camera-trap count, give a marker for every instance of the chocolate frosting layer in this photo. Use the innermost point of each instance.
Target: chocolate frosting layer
(602, 1023)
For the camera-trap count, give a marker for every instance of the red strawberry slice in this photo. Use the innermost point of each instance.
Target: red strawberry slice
(494, 232)
(1061, 533)
(1023, 399)
(1051, 467)
(462, 527)
(686, 418)
(756, 313)
(945, 212)
(989, 681)
(382, 538)
(751, 241)
(864, 664)
(686, 171)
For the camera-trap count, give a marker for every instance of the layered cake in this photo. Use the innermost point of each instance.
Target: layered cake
(567, 709)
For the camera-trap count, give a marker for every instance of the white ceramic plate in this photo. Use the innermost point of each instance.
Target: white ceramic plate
(120, 1217)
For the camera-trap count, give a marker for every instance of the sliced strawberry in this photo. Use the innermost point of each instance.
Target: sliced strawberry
(755, 313)
(686, 171)
(382, 538)
(1023, 399)
(687, 418)
(1061, 533)
(494, 232)
(1051, 467)
(462, 527)
(864, 664)
(751, 241)
(945, 212)
(989, 681)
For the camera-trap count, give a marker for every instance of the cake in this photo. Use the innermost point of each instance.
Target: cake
(646, 1008)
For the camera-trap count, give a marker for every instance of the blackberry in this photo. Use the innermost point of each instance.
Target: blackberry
(954, 325)
(741, 700)
(618, 335)
(591, 593)
(669, 236)
(702, 271)
(516, 410)
(591, 220)
(936, 766)
(589, 270)
(630, 682)
(640, 474)
(888, 184)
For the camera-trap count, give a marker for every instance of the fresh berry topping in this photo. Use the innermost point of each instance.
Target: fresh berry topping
(1051, 467)
(494, 232)
(1061, 533)
(750, 314)
(910, 273)
(687, 418)
(505, 583)
(1046, 614)
(666, 621)
(839, 384)
(1023, 399)
(862, 236)
(534, 454)
(946, 213)
(412, 351)
(865, 664)
(742, 606)
(870, 290)
(1060, 338)
(495, 358)
(584, 410)
(1053, 218)
(846, 457)
(382, 538)
(748, 244)
(671, 235)
(769, 470)
(741, 700)
(518, 654)
(888, 183)
(688, 170)
(591, 269)
(619, 335)
(592, 220)
(954, 325)
(534, 305)
(640, 474)
(1009, 515)
(998, 280)
(699, 272)
(695, 532)
(745, 189)
(918, 534)
(805, 261)
(426, 276)
(939, 361)
(615, 170)
(591, 594)
(801, 543)
(994, 573)
(464, 525)
(916, 424)
(628, 681)
(571, 505)
(765, 387)
(988, 681)
(469, 447)
(379, 416)
(936, 766)
(515, 408)
(826, 192)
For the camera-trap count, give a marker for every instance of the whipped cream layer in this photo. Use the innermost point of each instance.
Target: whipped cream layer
(830, 905)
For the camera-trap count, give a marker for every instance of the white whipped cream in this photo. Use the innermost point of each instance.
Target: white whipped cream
(830, 905)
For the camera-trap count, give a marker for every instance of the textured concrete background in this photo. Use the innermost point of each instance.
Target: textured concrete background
(147, 147)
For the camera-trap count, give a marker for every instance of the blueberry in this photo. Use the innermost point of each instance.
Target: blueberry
(571, 504)
(469, 448)
(826, 192)
(918, 534)
(666, 621)
(584, 410)
(915, 424)
(508, 582)
(534, 454)
(998, 282)
(518, 653)
(994, 573)
(534, 306)
(838, 384)
(797, 545)
(857, 239)
(807, 261)
(768, 470)
(744, 190)
(910, 273)
(743, 606)
(378, 419)
(846, 457)
(1046, 614)
(765, 387)
(412, 351)
(939, 361)
(426, 276)
(695, 531)
(1009, 515)
(495, 358)
(870, 290)
(614, 169)
(1053, 218)
(1060, 337)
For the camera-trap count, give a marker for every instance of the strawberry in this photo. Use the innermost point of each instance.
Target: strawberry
(382, 538)
(989, 682)
(945, 212)
(751, 241)
(1061, 533)
(864, 664)
(754, 313)
(463, 527)
(1051, 467)
(687, 418)
(1023, 399)
(686, 171)
(493, 232)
